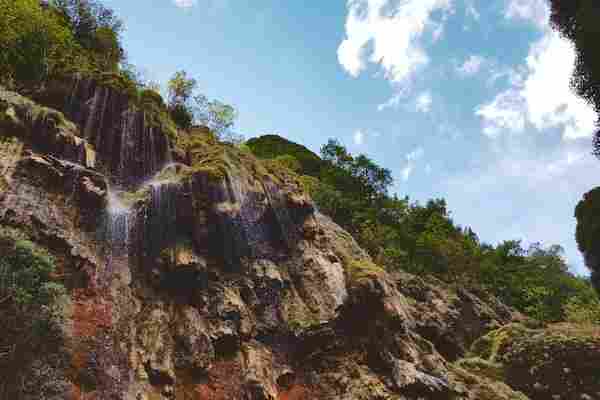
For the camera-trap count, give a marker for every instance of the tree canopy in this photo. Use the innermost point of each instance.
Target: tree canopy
(43, 40)
(577, 20)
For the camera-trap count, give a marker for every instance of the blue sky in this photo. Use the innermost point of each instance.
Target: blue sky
(467, 100)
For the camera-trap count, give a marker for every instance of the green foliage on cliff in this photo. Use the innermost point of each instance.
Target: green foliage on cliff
(273, 146)
(41, 41)
(556, 361)
(29, 299)
(34, 43)
(26, 272)
(424, 239)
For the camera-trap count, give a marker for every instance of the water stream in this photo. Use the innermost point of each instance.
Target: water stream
(117, 230)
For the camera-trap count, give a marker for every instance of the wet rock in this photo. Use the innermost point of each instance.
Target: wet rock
(131, 140)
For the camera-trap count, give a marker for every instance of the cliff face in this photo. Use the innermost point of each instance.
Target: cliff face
(214, 278)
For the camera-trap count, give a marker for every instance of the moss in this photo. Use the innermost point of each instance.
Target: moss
(359, 270)
(152, 97)
(131, 198)
(10, 234)
(479, 366)
(491, 346)
(301, 322)
(182, 244)
(482, 386)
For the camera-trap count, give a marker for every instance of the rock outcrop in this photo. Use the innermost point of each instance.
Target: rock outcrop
(556, 362)
(217, 278)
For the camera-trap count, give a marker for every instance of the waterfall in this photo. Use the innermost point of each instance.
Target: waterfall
(128, 141)
(161, 217)
(118, 222)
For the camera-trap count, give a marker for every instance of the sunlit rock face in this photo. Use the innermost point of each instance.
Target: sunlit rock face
(216, 278)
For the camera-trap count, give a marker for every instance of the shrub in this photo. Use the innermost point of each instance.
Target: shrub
(181, 116)
(25, 275)
(29, 309)
(580, 311)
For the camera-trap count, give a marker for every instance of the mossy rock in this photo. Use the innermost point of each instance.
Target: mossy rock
(218, 160)
(481, 367)
(481, 387)
(152, 97)
(491, 346)
(360, 270)
(557, 361)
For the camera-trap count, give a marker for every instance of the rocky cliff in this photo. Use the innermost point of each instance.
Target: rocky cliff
(214, 277)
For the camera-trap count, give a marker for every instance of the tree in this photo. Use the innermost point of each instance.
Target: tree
(217, 116)
(587, 233)
(181, 88)
(577, 20)
(34, 43)
(96, 28)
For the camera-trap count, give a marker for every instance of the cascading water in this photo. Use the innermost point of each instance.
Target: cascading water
(117, 228)
(128, 141)
(161, 218)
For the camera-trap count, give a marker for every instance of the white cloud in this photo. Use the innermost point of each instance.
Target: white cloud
(423, 102)
(542, 96)
(359, 138)
(411, 159)
(185, 3)
(472, 11)
(393, 102)
(406, 172)
(506, 112)
(471, 66)
(416, 154)
(387, 33)
(535, 11)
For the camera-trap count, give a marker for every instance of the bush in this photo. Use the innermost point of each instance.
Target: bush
(29, 307)
(289, 162)
(580, 311)
(152, 97)
(181, 116)
(25, 275)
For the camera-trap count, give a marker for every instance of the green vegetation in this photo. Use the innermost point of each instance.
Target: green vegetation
(423, 239)
(587, 213)
(481, 367)
(577, 21)
(363, 269)
(273, 146)
(29, 296)
(556, 361)
(181, 88)
(40, 41)
(217, 116)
